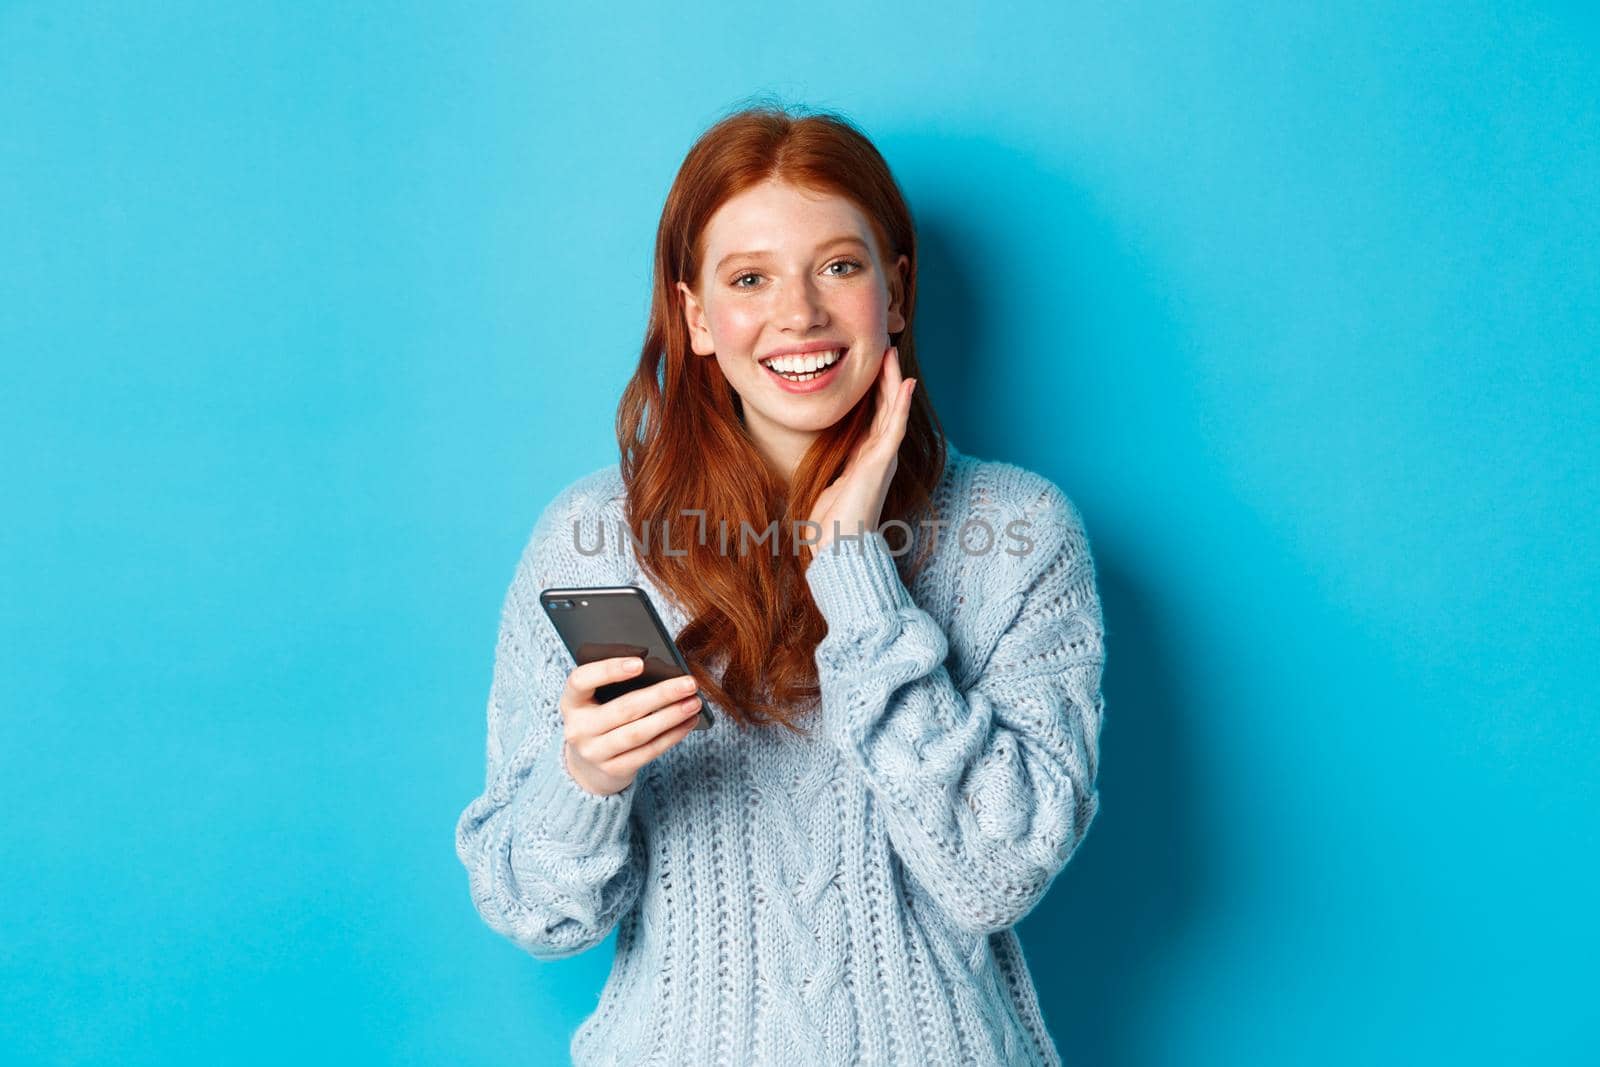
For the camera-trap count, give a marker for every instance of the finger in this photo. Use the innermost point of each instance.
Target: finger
(903, 413)
(640, 731)
(587, 677)
(625, 764)
(896, 416)
(639, 703)
(884, 441)
(888, 389)
(891, 375)
(885, 366)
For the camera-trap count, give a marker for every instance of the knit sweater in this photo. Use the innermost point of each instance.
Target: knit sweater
(846, 897)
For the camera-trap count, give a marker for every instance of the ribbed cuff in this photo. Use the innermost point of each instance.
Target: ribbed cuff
(570, 812)
(854, 582)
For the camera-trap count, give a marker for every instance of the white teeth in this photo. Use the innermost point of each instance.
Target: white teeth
(803, 364)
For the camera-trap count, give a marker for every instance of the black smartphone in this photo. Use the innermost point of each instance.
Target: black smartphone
(607, 621)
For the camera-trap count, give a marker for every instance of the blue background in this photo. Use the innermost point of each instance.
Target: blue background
(307, 310)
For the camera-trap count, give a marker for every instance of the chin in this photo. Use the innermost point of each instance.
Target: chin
(818, 422)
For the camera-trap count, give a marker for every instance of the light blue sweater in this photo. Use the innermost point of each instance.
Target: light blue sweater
(845, 898)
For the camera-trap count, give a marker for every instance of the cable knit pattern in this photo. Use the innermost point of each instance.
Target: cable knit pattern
(847, 897)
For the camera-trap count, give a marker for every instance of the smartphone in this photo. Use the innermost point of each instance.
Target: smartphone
(607, 621)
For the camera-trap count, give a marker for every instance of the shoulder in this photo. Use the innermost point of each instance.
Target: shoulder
(1011, 544)
(583, 504)
(1032, 518)
(588, 496)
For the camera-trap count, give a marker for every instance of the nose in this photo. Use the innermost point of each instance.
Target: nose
(798, 307)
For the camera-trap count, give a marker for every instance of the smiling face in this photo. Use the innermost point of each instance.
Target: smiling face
(784, 268)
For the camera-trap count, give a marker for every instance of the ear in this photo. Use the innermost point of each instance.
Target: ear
(897, 294)
(694, 317)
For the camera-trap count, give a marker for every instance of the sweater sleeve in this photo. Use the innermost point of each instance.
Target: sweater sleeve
(550, 865)
(987, 791)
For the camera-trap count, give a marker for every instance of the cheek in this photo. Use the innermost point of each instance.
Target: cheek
(735, 323)
(866, 307)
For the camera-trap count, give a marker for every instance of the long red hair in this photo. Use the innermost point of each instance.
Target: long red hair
(752, 628)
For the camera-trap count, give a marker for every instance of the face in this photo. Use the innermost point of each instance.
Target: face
(784, 267)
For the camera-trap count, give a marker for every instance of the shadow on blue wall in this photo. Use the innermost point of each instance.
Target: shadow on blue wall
(1098, 941)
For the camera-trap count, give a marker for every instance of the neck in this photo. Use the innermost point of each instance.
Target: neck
(781, 448)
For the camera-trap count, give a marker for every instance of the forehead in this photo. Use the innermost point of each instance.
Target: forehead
(774, 215)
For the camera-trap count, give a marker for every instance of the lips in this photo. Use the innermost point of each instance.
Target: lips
(806, 349)
(794, 363)
(820, 380)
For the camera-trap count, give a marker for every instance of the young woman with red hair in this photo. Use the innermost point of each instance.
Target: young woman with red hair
(906, 745)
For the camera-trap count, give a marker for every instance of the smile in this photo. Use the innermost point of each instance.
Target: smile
(807, 372)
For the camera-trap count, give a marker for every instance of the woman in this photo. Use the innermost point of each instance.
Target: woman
(905, 747)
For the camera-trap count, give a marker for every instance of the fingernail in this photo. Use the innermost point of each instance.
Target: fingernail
(634, 664)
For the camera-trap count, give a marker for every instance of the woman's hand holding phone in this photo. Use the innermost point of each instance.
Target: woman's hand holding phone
(607, 743)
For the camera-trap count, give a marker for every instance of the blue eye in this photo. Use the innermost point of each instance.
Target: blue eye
(855, 264)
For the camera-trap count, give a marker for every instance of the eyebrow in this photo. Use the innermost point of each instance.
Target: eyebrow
(844, 238)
